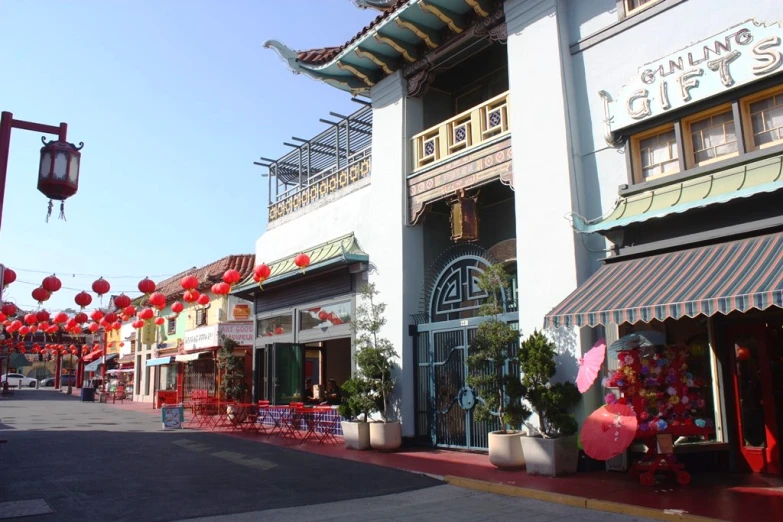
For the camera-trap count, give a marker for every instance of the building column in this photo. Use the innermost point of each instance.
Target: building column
(395, 249)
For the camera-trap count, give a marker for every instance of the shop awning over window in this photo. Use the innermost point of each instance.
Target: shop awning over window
(126, 359)
(186, 357)
(160, 361)
(92, 355)
(95, 365)
(733, 276)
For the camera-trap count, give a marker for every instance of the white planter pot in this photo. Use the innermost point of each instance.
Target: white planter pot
(505, 450)
(550, 457)
(236, 415)
(356, 435)
(385, 436)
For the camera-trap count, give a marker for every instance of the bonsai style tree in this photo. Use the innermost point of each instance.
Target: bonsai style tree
(489, 352)
(550, 401)
(232, 385)
(374, 355)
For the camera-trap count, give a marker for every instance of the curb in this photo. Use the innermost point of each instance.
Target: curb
(573, 501)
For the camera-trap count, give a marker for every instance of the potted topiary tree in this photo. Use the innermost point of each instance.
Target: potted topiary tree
(500, 392)
(554, 451)
(232, 379)
(375, 361)
(355, 408)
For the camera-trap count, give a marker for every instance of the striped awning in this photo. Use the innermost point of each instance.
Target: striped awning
(733, 276)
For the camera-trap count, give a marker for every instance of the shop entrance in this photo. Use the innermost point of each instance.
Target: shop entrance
(757, 372)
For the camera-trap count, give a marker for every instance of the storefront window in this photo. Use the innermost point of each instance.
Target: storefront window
(277, 325)
(320, 317)
(168, 377)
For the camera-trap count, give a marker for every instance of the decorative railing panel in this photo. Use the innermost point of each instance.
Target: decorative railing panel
(322, 185)
(464, 131)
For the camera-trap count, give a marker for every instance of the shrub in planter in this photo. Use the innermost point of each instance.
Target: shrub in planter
(375, 362)
(500, 392)
(554, 452)
(232, 378)
(356, 407)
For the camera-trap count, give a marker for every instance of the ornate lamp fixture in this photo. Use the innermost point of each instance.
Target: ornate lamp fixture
(464, 217)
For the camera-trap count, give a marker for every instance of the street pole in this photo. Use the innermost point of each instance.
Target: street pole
(7, 122)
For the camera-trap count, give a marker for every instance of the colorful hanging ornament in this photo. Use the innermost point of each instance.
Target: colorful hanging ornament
(146, 286)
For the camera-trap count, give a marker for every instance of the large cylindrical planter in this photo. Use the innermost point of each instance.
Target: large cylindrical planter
(505, 449)
(385, 436)
(551, 457)
(356, 435)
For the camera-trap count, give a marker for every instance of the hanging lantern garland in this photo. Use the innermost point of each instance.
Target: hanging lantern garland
(302, 261)
(40, 295)
(83, 299)
(51, 284)
(122, 301)
(260, 274)
(147, 286)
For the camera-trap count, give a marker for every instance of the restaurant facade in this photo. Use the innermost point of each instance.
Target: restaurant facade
(659, 139)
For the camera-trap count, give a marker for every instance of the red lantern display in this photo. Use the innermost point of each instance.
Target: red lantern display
(60, 317)
(94, 327)
(231, 277)
(83, 299)
(9, 276)
(191, 296)
(221, 288)
(177, 307)
(189, 282)
(80, 318)
(302, 261)
(101, 286)
(743, 354)
(51, 284)
(203, 300)
(9, 309)
(322, 315)
(279, 330)
(30, 319)
(51, 330)
(42, 315)
(116, 325)
(261, 273)
(40, 295)
(129, 310)
(24, 330)
(111, 317)
(146, 314)
(96, 315)
(122, 344)
(158, 300)
(122, 301)
(159, 321)
(146, 286)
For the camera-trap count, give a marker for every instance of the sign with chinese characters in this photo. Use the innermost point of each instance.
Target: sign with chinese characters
(209, 336)
(239, 309)
(738, 56)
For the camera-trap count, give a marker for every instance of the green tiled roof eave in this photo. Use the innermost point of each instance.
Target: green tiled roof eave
(744, 181)
(344, 249)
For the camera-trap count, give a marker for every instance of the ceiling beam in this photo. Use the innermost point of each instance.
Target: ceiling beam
(454, 21)
(407, 51)
(430, 37)
(481, 7)
(385, 64)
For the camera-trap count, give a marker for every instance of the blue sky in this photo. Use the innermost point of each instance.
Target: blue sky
(174, 101)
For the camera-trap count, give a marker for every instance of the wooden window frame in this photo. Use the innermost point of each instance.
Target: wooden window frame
(688, 152)
(636, 154)
(203, 321)
(628, 11)
(171, 326)
(747, 127)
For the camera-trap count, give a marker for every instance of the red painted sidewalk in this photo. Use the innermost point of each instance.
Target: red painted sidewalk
(731, 497)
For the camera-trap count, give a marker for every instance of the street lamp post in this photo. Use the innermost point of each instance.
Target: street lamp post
(58, 172)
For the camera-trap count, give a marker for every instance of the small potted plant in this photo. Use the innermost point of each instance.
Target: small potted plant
(232, 381)
(499, 392)
(375, 362)
(355, 408)
(554, 451)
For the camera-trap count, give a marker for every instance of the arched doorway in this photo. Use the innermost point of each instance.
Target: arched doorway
(445, 327)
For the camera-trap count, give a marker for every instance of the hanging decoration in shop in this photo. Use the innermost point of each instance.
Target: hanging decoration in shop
(742, 353)
(83, 299)
(589, 366)
(261, 273)
(146, 286)
(302, 261)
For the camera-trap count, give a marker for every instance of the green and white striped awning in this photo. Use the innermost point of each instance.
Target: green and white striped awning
(733, 276)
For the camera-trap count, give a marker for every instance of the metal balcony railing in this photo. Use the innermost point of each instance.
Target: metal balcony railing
(463, 132)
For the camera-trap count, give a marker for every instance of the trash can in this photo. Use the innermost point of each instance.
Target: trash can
(88, 395)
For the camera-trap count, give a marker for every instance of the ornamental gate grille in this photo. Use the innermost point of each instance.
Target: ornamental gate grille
(444, 402)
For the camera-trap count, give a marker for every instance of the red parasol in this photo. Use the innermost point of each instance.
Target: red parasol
(608, 431)
(589, 366)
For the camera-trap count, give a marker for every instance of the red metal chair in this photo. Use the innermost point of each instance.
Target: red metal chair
(119, 391)
(327, 424)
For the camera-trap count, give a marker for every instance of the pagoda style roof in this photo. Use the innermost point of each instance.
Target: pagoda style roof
(404, 32)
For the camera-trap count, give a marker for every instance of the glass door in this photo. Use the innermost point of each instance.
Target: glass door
(286, 382)
(754, 398)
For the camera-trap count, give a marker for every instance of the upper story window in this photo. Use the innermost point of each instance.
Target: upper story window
(171, 327)
(764, 112)
(201, 317)
(728, 130)
(634, 6)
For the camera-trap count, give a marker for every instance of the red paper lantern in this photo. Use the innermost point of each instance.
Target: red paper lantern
(80, 318)
(231, 277)
(146, 314)
(24, 330)
(189, 282)
(2, 317)
(51, 330)
(221, 288)
(125, 318)
(146, 286)
(203, 300)
(83, 299)
(101, 286)
(42, 315)
(94, 327)
(116, 325)
(9, 309)
(159, 321)
(191, 296)
(9, 276)
(322, 315)
(262, 272)
(177, 307)
(302, 261)
(122, 344)
(30, 319)
(51, 283)
(158, 300)
(279, 330)
(60, 317)
(122, 301)
(111, 317)
(743, 354)
(129, 310)
(40, 295)
(33, 328)
(96, 315)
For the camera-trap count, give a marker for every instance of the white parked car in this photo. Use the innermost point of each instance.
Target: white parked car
(14, 378)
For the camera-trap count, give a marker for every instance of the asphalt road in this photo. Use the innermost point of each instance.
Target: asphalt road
(72, 461)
